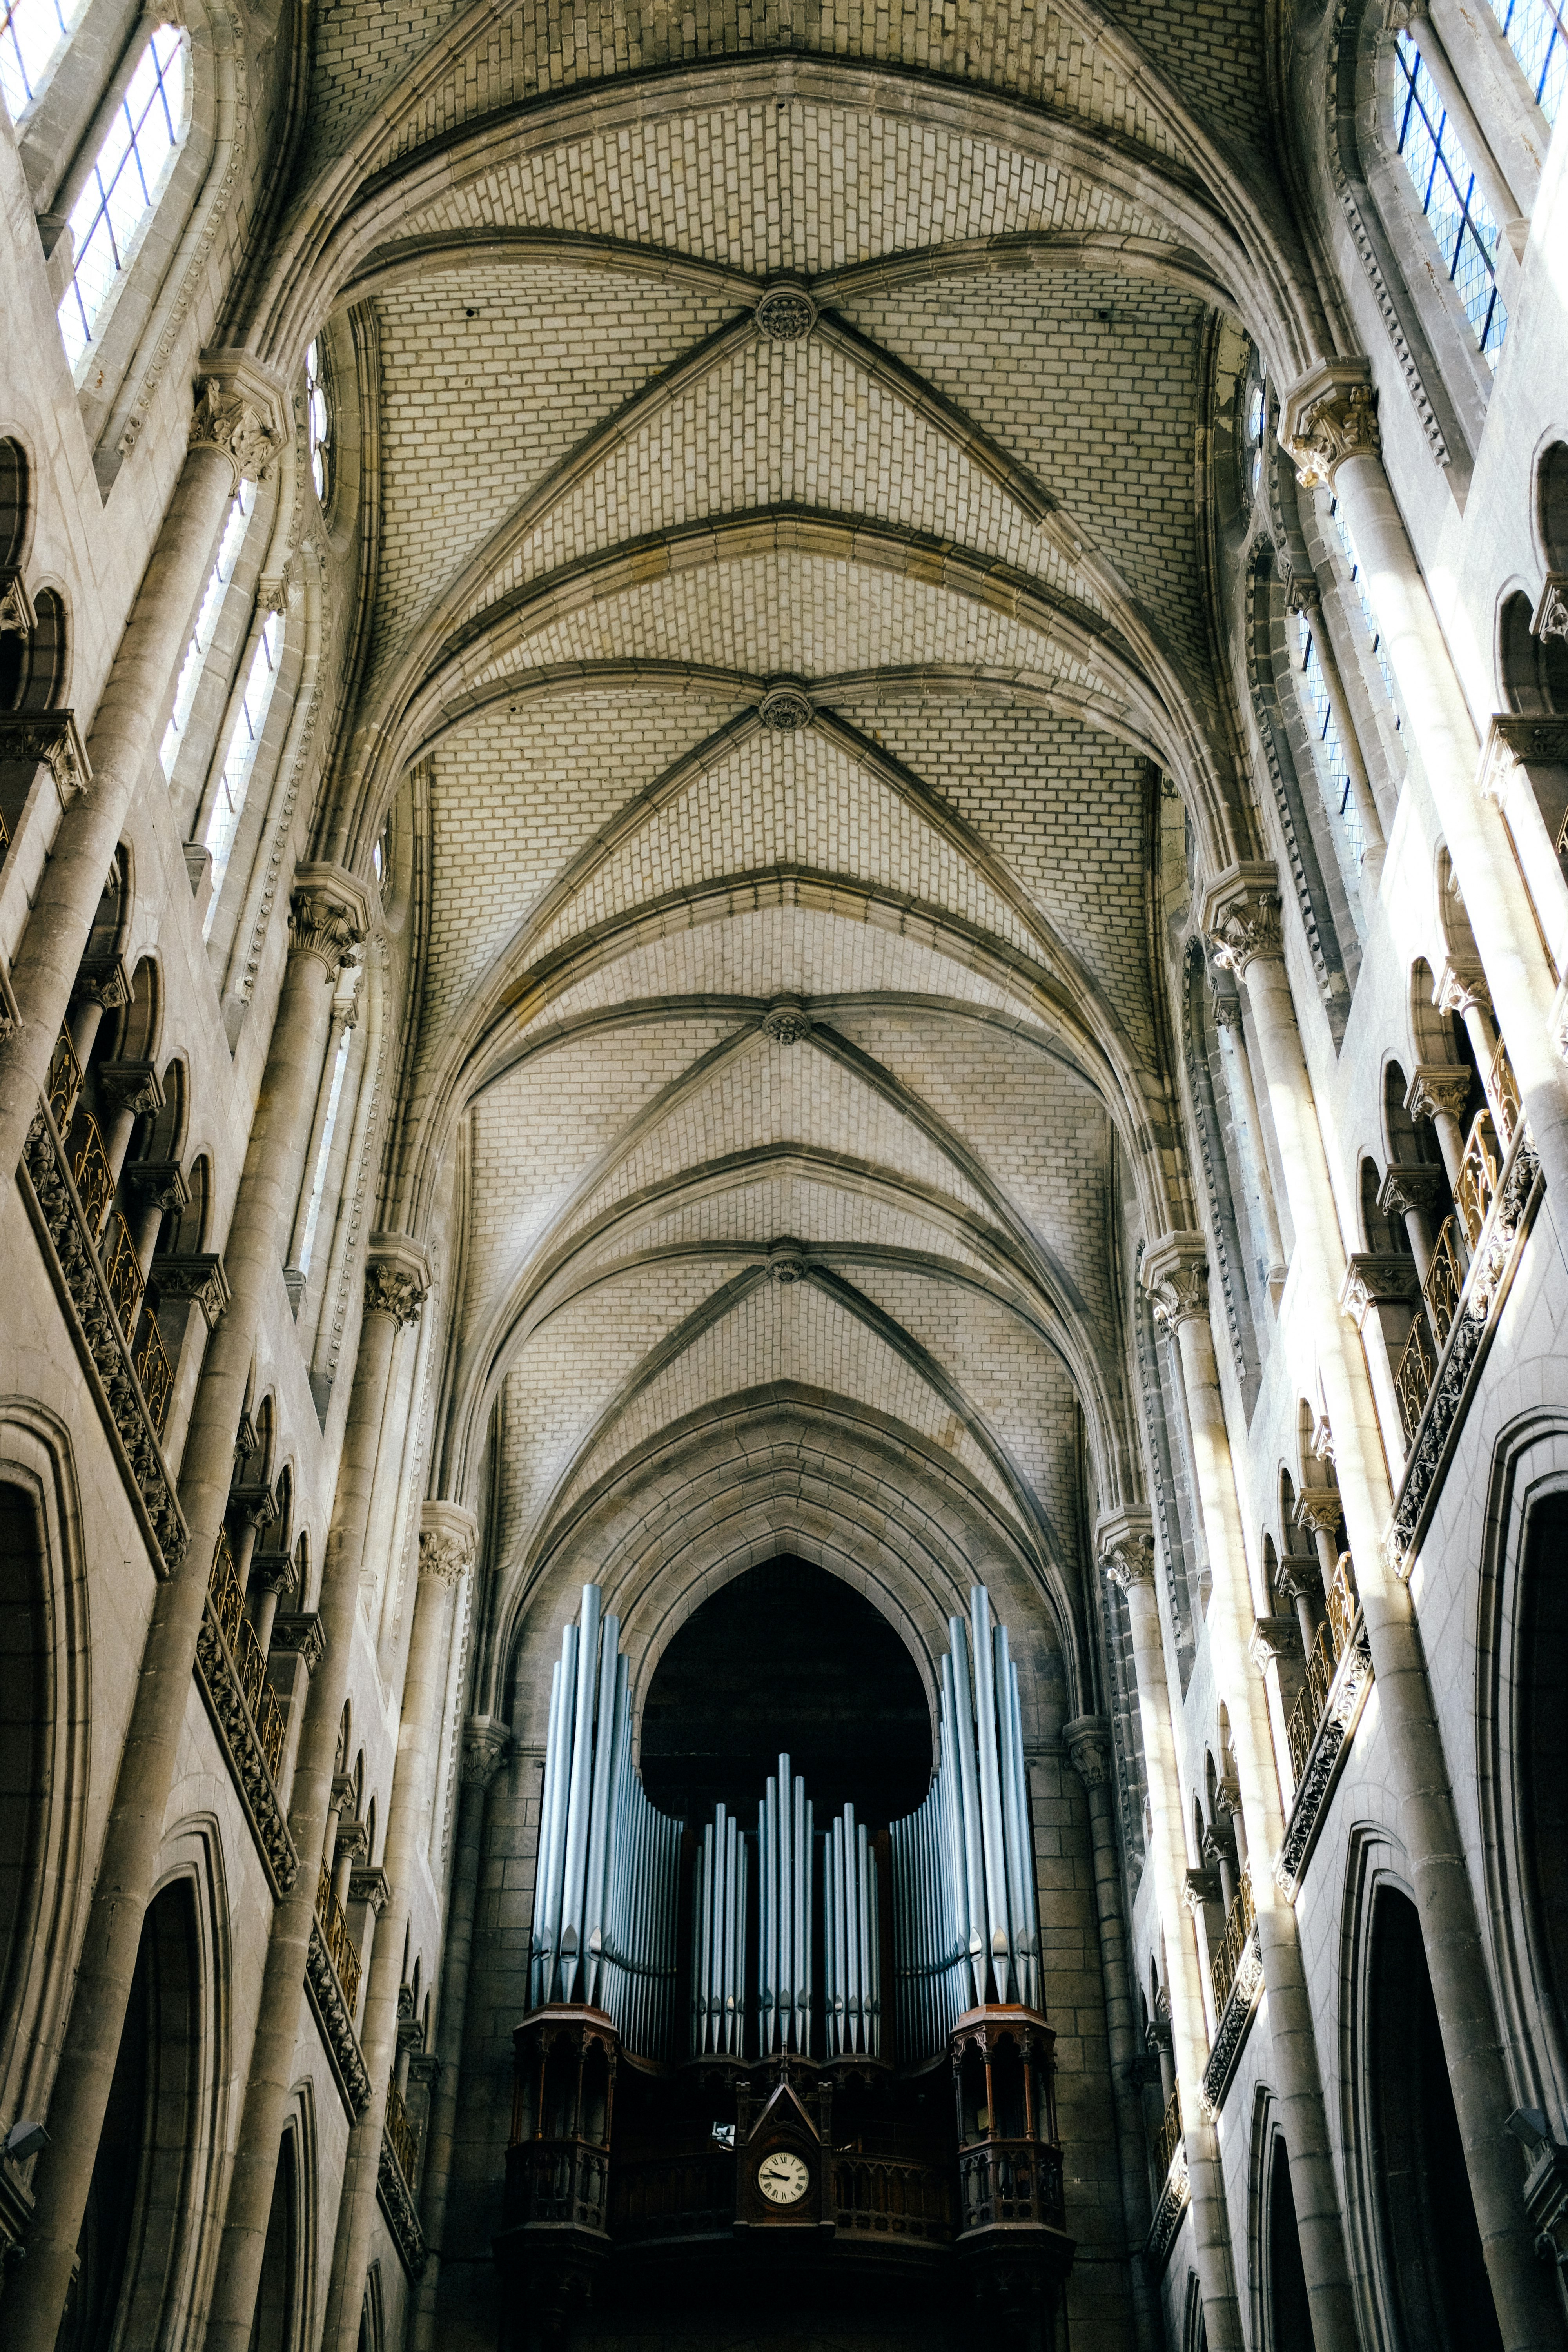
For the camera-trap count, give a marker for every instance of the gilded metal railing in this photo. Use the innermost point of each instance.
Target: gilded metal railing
(91, 1174)
(335, 1934)
(1479, 1170)
(1225, 1961)
(1333, 1636)
(154, 1371)
(251, 1662)
(1444, 1280)
(400, 2133)
(64, 1082)
(1169, 2138)
(1502, 1091)
(122, 1270)
(1413, 1376)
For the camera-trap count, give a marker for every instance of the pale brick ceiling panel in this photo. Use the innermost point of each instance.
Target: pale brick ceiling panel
(786, 799)
(793, 187)
(1017, 355)
(811, 615)
(766, 1093)
(513, 799)
(1040, 55)
(1063, 804)
(810, 1208)
(477, 408)
(766, 951)
(1038, 1131)
(788, 1331)
(360, 49)
(568, 1372)
(797, 424)
(538, 1133)
(1018, 1385)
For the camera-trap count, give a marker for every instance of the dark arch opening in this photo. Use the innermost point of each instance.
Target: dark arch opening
(273, 2329)
(1534, 669)
(1289, 2314)
(139, 2197)
(1552, 505)
(23, 1714)
(1432, 2257)
(786, 1656)
(1543, 1745)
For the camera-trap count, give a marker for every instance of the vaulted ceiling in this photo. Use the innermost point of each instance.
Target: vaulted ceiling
(789, 593)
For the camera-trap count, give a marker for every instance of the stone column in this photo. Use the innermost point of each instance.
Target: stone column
(1328, 423)
(486, 1742)
(326, 919)
(1414, 1193)
(1241, 913)
(1440, 1091)
(241, 422)
(1227, 1016)
(1126, 1543)
(1088, 1743)
(1175, 1273)
(396, 1284)
(448, 1534)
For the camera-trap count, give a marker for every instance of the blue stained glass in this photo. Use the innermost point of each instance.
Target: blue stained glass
(1446, 188)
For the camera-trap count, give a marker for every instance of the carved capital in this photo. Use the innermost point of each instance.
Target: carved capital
(254, 1502)
(786, 1021)
(372, 1887)
(1321, 1510)
(1406, 1188)
(1295, 1579)
(1241, 917)
(1200, 1887)
(135, 1087)
(300, 1634)
(1086, 1739)
(1175, 1274)
(157, 1184)
(329, 915)
(1387, 1278)
(1552, 613)
(1439, 1087)
(396, 1277)
(48, 738)
(1302, 594)
(241, 411)
(1125, 1542)
(102, 980)
(17, 614)
(1461, 985)
(1274, 1637)
(1330, 414)
(274, 1572)
(195, 1274)
(448, 1538)
(351, 1842)
(486, 1743)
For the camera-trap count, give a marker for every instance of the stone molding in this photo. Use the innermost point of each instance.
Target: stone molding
(1353, 1679)
(1461, 984)
(48, 738)
(1175, 1274)
(242, 410)
(1516, 742)
(449, 1540)
(1241, 916)
(1088, 1741)
(1327, 416)
(1125, 1543)
(1234, 2025)
(487, 1742)
(1319, 1508)
(1493, 1265)
(80, 1282)
(786, 1260)
(786, 707)
(337, 2027)
(396, 1277)
(157, 1184)
(786, 312)
(395, 2198)
(17, 617)
(1551, 618)
(1439, 1087)
(330, 914)
(1387, 1278)
(239, 1738)
(786, 1021)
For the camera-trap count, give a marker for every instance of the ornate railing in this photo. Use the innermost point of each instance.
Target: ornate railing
(123, 1271)
(401, 2134)
(1003, 2182)
(1444, 1280)
(566, 2182)
(1415, 1373)
(156, 1374)
(92, 1175)
(691, 2195)
(244, 1713)
(894, 2197)
(1502, 1092)
(248, 1656)
(1227, 1959)
(1170, 2137)
(1323, 1661)
(1480, 1171)
(335, 1934)
(64, 1082)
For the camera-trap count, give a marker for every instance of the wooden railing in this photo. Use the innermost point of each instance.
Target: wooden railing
(402, 2137)
(335, 1934)
(1170, 2137)
(1227, 1959)
(1333, 1636)
(567, 2181)
(895, 2196)
(1009, 2181)
(250, 1663)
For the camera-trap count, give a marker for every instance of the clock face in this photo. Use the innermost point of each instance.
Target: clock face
(782, 2177)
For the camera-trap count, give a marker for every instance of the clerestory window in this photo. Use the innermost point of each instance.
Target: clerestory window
(1334, 778)
(1460, 218)
(319, 423)
(245, 736)
(120, 195)
(196, 652)
(33, 38)
(1537, 32)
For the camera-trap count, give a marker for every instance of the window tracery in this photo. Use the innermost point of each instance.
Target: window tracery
(1450, 196)
(245, 735)
(127, 178)
(33, 38)
(1537, 32)
(196, 652)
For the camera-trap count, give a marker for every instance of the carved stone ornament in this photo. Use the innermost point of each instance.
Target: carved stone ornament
(274, 1572)
(1302, 594)
(785, 314)
(372, 1887)
(1174, 1273)
(1273, 1638)
(238, 411)
(393, 1290)
(786, 1021)
(1241, 917)
(272, 594)
(1319, 1508)
(17, 614)
(337, 2026)
(449, 1540)
(326, 921)
(1439, 1087)
(1460, 986)
(250, 1770)
(1200, 1887)
(102, 980)
(1086, 1739)
(396, 2201)
(254, 1502)
(1125, 1542)
(1295, 1579)
(487, 1742)
(195, 1274)
(1387, 1278)
(1330, 414)
(786, 709)
(787, 1261)
(48, 738)
(300, 1632)
(1551, 612)
(134, 1087)
(1514, 743)
(157, 1184)
(1405, 1189)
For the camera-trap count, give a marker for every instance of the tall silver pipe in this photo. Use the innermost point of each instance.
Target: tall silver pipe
(608, 1722)
(808, 1962)
(874, 1952)
(955, 1679)
(767, 1900)
(1012, 1819)
(1031, 1892)
(786, 1889)
(558, 1808)
(990, 1789)
(541, 1940)
(800, 1861)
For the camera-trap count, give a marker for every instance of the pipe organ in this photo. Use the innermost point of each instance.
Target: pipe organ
(787, 2131)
